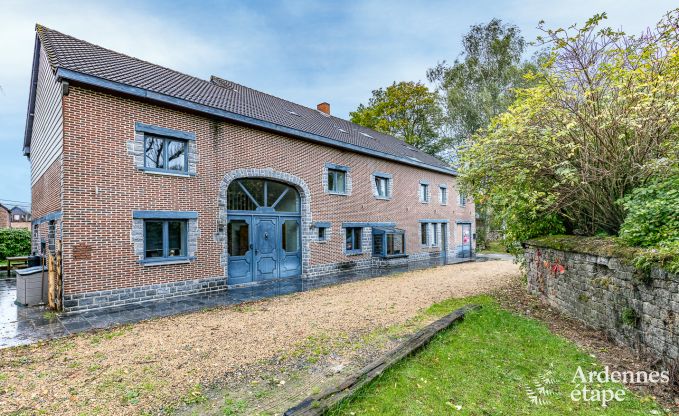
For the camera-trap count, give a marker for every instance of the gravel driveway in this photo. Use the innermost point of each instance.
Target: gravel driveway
(158, 363)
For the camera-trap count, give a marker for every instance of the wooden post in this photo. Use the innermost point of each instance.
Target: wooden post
(58, 277)
(52, 281)
(54, 277)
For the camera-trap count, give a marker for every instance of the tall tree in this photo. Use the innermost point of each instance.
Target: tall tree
(407, 110)
(478, 86)
(599, 121)
(480, 83)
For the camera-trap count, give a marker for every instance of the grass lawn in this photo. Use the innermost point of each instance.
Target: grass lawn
(483, 366)
(494, 247)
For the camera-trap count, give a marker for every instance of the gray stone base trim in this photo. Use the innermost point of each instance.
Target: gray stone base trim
(82, 302)
(373, 262)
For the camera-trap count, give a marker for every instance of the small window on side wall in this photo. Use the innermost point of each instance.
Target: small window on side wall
(337, 181)
(462, 199)
(424, 233)
(382, 187)
(322, 233)
(165, 154)
(353, 240)
(444, 195)
(424, 192)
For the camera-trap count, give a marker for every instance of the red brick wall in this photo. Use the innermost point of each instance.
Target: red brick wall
(102, 187)
(46, 195)
(46, 192)
(4, 218)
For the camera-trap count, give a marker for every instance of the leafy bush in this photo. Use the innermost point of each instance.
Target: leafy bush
(14, 242)
(652, 214)
(594, 123)
(665, 255)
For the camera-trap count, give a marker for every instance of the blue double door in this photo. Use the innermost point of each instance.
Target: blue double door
(263, 247)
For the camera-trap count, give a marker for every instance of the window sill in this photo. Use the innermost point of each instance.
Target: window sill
(165, 173)
(383, 198)
(424, 202)
(337, 193)
(353, 253)
(167, 262)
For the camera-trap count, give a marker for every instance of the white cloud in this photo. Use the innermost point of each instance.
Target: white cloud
(305, 51)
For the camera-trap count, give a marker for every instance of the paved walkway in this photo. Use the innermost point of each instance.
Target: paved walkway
(20, 325)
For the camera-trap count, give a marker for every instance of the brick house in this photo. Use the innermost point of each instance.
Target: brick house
(16, 217)
(19, 218)
(160, 184)
(4, 217)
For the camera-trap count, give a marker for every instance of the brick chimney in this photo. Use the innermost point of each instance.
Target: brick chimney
(324, 108)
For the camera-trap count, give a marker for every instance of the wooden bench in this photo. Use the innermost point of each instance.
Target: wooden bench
(19, 262)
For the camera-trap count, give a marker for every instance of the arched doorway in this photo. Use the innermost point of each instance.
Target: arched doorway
(263, 230)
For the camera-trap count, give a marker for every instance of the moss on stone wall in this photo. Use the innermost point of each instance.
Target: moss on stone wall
(643, 259)
(597, 246)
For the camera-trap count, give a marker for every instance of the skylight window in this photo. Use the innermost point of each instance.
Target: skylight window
(367, 135)
(293, 113)
(342, 131)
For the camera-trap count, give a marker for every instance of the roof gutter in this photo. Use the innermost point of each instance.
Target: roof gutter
(28, 130)
(74, 76)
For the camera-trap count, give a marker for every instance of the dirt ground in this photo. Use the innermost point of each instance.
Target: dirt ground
(152, 367)
(514, 297)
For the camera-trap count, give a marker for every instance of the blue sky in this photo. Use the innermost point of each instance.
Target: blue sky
(303, 51)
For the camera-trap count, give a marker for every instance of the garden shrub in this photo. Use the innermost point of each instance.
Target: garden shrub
(14, 242)
(652, 222)
(652, 214)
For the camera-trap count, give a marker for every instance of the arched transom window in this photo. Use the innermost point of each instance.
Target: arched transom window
(262, 195)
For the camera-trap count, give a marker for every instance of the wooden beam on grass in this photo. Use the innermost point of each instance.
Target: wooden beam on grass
(318, 404)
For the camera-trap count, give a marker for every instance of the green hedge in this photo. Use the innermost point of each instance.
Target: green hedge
(14, 242)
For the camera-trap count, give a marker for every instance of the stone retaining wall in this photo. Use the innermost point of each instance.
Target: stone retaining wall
(637, 309)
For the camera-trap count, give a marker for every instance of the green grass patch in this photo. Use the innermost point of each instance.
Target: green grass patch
(494, 247)
(195, 395)
(233, 407)
(492, 363)
(109, 334)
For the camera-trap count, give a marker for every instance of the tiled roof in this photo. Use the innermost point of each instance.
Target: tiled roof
(66, 52)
